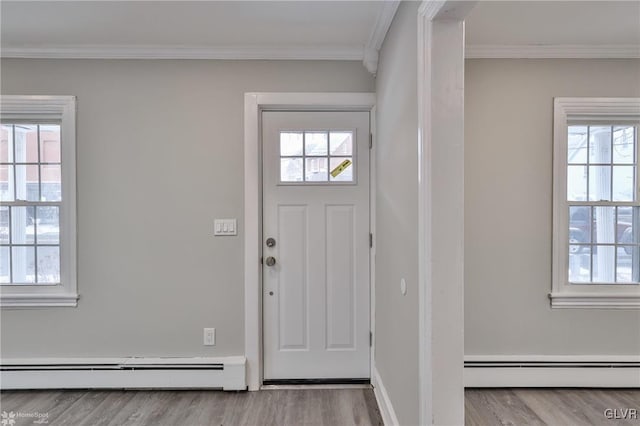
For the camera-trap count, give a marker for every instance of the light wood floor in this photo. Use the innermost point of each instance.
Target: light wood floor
(553, 407)
(331, 407)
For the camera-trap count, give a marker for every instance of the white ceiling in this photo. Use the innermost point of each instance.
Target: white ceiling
(188, 23)
(298, 29)
(554, 23)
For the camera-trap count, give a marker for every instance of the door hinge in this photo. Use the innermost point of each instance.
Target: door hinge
(370, 339)
(370, 240)
(370, 140)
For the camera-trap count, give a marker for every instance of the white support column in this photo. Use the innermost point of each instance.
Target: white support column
(441, 215)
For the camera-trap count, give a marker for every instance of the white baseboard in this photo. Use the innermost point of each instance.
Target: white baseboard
(384, 403)
(227, 373)
(607, 371)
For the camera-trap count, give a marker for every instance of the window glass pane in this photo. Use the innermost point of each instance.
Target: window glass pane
(49, 265)
(626, 269)
(604, 264)
(290, 144)
(291, 169)
(604, 224)
(315, 169)
(624, 145)
(315, 143)
(577, 183)
(26, 150)
(580, 225)
(623, 183)
(5, 272)
(49, 143)
(628, 225)
(6, 183)
(341, 169)
(27, 183)
(579, 264)
(23, 262)
(48, 225)
(600, 183)
(6, 144)
(4, 225)
(22, 229)
(22, 225)
(578, 145)
(51, 183)
(600, 144)
(340, 143)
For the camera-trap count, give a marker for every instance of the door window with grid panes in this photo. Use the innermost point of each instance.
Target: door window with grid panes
(317, 157)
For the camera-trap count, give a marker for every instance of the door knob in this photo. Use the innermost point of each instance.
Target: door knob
(271, 242)
(270, 261)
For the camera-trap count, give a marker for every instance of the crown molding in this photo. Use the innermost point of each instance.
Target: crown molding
(294, 52)
(568, 51)
(378, 34)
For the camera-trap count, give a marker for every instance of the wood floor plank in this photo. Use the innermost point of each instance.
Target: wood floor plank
(503, 407)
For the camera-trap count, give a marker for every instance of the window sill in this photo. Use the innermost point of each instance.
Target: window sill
(595, 300)
(38, 300)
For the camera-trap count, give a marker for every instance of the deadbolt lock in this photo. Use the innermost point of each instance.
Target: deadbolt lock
(271, 242)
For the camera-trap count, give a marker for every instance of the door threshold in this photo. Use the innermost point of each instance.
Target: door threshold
(316, 386)
(316, 382)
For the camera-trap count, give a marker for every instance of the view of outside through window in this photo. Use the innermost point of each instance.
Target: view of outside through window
(313, 156)
(604, 217)
(30, 199)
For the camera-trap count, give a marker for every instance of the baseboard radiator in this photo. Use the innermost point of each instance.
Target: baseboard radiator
(612, 372)
(226, 373)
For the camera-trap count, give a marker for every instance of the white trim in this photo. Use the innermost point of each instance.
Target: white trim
(227, 373)
(610, 359)
(294, 52)
(563, 294)
(552, 371)
(378, 33)
(570, 51)
(387, 412)
(440, 207)
(595, 300)
(373, 173)
(254, 104)
(62, 108)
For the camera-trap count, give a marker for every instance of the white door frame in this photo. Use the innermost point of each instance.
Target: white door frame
(254, 105)
(441, 210)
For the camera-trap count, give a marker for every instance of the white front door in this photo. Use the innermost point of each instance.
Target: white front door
(316, 230)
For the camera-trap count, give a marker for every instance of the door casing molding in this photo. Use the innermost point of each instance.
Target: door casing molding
(254, 105)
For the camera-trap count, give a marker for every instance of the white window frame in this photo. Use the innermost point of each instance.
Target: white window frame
(63, 109)
(563, 294)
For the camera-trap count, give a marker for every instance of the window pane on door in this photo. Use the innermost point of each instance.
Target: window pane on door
(343, 171)
(341, 143)
(290, 144)
(316, 169)
(291, 169)
(315, 143)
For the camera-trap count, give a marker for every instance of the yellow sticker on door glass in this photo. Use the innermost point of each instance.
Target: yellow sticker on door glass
(341, 168)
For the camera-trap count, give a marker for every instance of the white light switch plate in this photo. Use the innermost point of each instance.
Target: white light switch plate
(225, 227)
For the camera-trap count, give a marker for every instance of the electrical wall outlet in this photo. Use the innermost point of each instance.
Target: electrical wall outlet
(209, 336)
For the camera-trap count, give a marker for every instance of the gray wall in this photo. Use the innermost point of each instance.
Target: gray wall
(397, 215)
(508, 202)
(160, 155)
